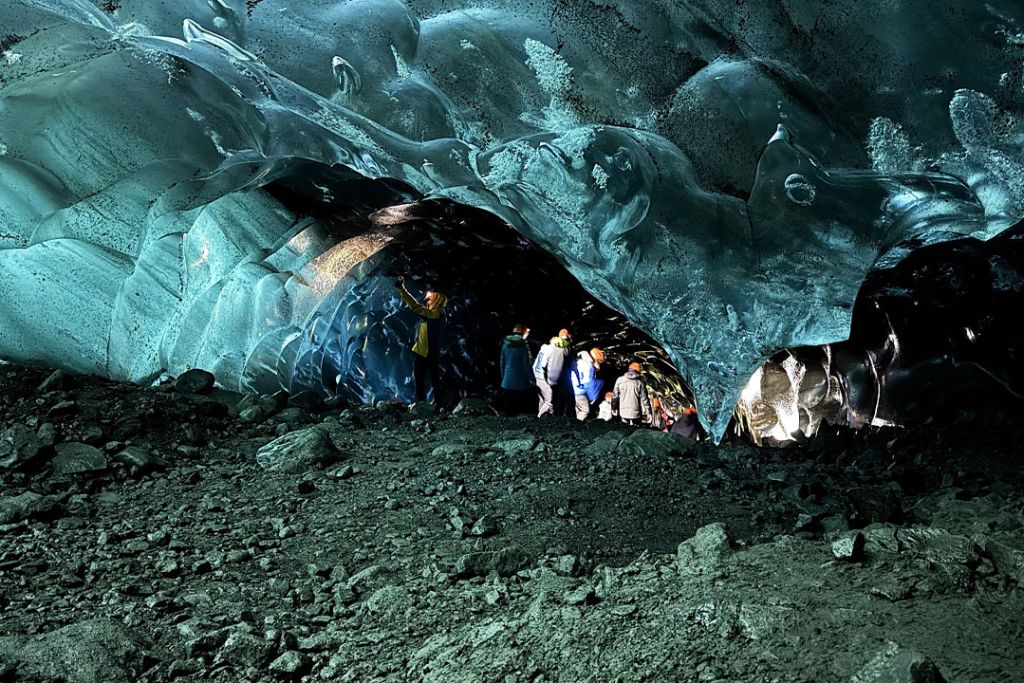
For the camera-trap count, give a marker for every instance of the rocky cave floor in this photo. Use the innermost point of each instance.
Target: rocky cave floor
(143, 539)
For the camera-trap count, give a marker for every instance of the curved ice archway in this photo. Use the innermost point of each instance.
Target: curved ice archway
(136, 237)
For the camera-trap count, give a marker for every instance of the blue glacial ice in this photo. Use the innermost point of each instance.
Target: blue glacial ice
(723, 175)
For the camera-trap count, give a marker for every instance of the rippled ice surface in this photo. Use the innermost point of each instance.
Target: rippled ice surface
(724, 175)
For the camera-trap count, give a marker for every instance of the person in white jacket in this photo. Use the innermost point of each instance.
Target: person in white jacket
(548, 368)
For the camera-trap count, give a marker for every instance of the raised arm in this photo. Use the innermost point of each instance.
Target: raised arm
(418, 308)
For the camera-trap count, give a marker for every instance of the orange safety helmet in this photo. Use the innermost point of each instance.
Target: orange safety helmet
(564, 334)
(597, 355)
(634, 366)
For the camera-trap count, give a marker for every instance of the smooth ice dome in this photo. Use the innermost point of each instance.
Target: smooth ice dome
(723, 175)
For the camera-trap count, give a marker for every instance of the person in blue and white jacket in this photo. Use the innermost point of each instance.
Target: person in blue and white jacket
(586, 387)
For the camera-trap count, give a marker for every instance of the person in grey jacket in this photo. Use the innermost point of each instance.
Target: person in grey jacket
(547, 370)
(630, 397)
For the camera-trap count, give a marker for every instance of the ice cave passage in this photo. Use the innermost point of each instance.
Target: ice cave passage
(705, 186)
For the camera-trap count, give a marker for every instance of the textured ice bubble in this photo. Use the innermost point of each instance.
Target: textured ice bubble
(725, 176)
(800, 190)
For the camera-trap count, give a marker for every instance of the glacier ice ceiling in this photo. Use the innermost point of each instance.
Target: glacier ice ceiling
(231, 185)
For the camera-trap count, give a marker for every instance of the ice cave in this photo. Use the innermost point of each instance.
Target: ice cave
(804, 219)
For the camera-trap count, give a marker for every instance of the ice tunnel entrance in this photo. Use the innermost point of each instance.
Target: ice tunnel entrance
(356, 342)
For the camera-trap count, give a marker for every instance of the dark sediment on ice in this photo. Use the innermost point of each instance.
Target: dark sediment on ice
(153, 534)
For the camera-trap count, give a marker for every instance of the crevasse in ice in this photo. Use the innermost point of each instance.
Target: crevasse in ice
(724, 175)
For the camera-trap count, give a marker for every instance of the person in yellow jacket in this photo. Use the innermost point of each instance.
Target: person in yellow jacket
(426, 345)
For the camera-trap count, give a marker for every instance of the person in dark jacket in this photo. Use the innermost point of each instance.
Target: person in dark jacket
(548, 369)
(630, 397)
(426, 345)
(517, 381)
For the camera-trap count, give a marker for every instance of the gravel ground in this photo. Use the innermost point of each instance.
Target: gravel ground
(154, 534)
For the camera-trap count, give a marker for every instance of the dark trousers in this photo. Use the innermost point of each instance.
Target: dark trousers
(421, 369)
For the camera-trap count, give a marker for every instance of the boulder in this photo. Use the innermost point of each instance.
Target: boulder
(705, 551)
(294, 416)
(78, 458)
(194, 381)
(19, 447)
(390, 601)
(25, 506)
(655, 444)
(895, 664)
(253, 409)
(94, 651)
(849, 547)
(298, 451)
(1006, 551)
(605, 444)
(423, 409)
(472, 406)
(504, 562)
(57, 380)
(515, 446)
(291, 665)
(141, 461)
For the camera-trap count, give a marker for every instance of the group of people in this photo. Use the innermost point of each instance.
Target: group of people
(559, 382)
(569, 385)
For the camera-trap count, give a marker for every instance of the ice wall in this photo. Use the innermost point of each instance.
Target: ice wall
(724, 175)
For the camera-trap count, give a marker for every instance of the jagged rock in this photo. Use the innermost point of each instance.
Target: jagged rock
(298, 451)
(704, 551)
(423, 409)
(92, 435)
(895, 664)
(583, 595)
(881, 538)
(63, 408)
(26, 506)
(955, 555)
(141, 461)
(459, 520)
(294, 416)
(243, 650)
(874, 504)
(604, 444)
(253, 409)
(515, 446)
(390, 601)
(291, 665)
(78, 458)
(47, 434)
(19, 447)
(849, 547)
(473, 407)
(504, 562)
(568, 565)
(1006, 552)
(654, 444)
(252, 414)
(194, 381)
(57, 380)
(94, 651)
(485, 527)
